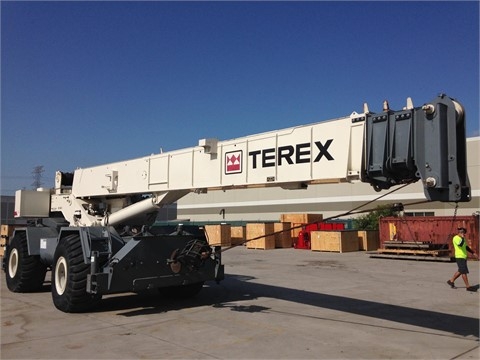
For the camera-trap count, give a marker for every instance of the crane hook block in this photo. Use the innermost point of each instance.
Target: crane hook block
(426, 143)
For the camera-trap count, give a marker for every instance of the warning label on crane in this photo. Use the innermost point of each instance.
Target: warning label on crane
(233, 162)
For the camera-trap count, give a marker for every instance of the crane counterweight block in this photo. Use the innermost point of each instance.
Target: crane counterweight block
(427, 143)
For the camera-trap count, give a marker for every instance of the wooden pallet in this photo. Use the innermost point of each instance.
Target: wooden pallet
(415, 250)
(439, 252)
(410, 257)
(413, 245)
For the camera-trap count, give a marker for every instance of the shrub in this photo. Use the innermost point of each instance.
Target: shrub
(370, 220)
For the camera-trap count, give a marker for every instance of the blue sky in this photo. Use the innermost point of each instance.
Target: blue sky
(89, 83)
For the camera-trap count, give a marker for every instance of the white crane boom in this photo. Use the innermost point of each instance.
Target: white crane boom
(385, 149)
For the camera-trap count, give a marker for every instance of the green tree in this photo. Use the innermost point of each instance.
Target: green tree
(369, 221)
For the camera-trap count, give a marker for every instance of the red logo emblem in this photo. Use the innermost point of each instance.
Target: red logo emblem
(233, 162)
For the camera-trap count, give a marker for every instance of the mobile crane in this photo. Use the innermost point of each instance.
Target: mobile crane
(93, 228)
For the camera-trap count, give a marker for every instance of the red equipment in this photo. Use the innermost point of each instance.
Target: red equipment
(303, 240)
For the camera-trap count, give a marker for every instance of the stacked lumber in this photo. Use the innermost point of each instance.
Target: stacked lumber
(421, 250)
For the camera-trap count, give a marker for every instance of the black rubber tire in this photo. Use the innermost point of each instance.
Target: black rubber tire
(183, 291)
(69, 277)
(23, 272)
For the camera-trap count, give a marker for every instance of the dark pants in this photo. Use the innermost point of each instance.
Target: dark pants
(462, 266)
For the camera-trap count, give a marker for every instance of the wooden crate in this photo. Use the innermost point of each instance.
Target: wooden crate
(237, 235)
(283, 239)
(294, 232)
(301, 218)
(336, 241)
(6, 232)
(254, 230)
(3, 243)
(218, 235)
(368, 240)
(295, 220)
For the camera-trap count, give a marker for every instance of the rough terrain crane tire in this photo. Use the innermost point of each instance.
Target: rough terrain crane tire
(23, 272)
(183, 291)
(69, 277)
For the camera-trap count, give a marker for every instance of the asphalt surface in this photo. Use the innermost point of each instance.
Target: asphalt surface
(274, 304)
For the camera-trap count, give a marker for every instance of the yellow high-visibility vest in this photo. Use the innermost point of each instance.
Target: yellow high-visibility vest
(460, 245)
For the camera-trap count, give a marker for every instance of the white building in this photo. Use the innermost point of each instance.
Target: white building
(266, 204)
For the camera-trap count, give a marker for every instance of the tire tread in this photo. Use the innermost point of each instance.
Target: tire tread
(75, 298)
(31, 271)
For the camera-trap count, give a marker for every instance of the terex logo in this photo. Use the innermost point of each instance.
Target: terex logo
(233, 162)
(298, 154)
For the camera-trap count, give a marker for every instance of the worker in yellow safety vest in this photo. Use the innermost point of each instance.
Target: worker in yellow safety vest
(461, 249)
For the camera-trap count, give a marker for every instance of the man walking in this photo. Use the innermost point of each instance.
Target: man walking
(461, 248)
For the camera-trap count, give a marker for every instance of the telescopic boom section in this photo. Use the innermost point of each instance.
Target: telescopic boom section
(384, 149)
(330, 151)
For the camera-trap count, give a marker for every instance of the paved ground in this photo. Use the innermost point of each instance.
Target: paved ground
(275, 304)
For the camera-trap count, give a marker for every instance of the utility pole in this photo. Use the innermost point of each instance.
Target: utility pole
(37, 176)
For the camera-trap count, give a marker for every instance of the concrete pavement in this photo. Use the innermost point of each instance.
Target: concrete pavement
(273, 304)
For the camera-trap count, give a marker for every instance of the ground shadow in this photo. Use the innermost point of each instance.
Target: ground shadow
(238, 288)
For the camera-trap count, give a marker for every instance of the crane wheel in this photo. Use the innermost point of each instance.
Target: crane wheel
(24, 272)
(69, 277)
